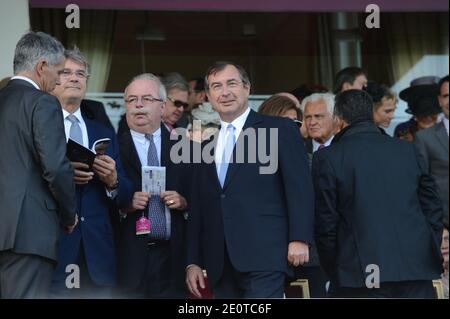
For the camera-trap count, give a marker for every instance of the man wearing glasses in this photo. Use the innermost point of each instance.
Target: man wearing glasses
(247, 227)
(151, 246)
(99, 188)
(177, 99)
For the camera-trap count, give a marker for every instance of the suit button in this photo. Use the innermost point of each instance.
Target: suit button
(82, 219)
(222, 196)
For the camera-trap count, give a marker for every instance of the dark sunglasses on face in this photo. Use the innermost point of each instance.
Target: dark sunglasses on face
(178, 103)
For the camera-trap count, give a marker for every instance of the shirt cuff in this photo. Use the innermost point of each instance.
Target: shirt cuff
(111, 194)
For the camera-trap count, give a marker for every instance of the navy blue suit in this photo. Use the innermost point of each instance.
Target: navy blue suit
(254, 216)
(94, 230)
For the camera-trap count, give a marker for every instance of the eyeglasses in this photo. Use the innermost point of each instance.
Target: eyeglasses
(66, 73)
(298, 123)
(178, 103)
(146, 100)
(231, 84)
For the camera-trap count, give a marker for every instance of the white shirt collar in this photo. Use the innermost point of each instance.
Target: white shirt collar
(238, 122)
(19, 77)
(140, 137)
(77, 114)
(317, 144)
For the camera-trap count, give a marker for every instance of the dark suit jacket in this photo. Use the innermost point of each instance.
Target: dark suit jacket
(433, 145)
(133, 248)
(255, 215)
(94, 230)
(37, 193)
(375, 204)
(95, 110)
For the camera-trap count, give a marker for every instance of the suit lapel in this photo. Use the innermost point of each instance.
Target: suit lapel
(442, 136)
(166, 144)
(129, 150)
(252, 120)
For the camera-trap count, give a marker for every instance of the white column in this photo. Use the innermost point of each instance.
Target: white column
(14, 22)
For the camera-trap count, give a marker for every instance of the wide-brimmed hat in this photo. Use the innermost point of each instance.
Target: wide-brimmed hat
(421, 96)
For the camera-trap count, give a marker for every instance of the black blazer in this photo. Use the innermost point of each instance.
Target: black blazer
(132, 248)
(37, 192)
(255, 215)
(375, 204)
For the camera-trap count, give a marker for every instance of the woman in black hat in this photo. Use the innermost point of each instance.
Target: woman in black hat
(422, 101)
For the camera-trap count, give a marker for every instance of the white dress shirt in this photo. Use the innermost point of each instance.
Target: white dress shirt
(142, 144)
(238, 124)
(316, 145)
(19, 77)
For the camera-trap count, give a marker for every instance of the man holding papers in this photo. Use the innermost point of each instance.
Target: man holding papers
(151, 253)
(99, 188)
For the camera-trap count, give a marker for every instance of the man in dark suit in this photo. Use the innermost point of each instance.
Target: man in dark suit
(151, 261)
(37, 193)
(99, 189)
(378, 215)
(433, 145)
(248, 221)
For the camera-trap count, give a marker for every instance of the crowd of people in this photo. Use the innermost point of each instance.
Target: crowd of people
(308, 187)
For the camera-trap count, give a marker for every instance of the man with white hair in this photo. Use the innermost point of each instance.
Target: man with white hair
(318, 118)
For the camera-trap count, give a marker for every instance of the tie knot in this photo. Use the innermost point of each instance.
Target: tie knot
(230, 127)
(321, 146)
(72, 118)
(149, 137)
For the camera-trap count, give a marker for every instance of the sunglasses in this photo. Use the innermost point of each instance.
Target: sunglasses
(178, 103)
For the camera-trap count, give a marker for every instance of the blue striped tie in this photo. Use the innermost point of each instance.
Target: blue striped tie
(156, 208)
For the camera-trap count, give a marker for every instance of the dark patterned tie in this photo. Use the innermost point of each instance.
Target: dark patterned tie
(156, 208)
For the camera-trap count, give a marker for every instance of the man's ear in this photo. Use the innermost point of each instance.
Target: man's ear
(39, 67)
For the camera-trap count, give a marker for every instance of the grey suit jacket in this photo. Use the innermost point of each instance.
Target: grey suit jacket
(37, 192)
(433, 145)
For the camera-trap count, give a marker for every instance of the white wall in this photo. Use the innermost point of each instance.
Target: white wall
(14, 22)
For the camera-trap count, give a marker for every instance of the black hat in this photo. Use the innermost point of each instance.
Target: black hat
(421, 96)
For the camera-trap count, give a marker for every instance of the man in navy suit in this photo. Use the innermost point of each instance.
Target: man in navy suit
(99, 189)
(248, 222)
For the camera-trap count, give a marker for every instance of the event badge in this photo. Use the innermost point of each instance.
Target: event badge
(142, 226)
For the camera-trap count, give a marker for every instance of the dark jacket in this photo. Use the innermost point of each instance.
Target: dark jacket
(37, 192)
(375, 205)
(254, 215)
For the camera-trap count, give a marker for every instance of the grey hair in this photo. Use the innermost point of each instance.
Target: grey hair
(150, 77)
(328, 98)
(76, 55)
(174, 80)
(35, 46)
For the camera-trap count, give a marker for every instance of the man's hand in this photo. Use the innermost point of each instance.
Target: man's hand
(298, 253)
(173, 200)
(105, 167)
(139, 202)
(81, 173)
(69, 229)
(194, 277)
